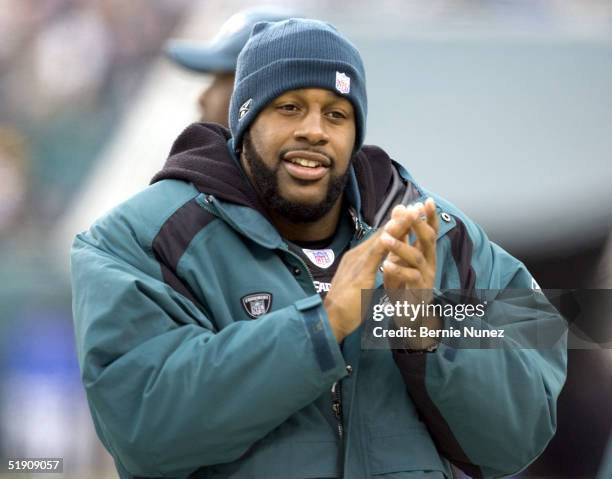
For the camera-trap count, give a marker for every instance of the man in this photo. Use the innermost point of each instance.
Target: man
(208, 346)
(218, 58)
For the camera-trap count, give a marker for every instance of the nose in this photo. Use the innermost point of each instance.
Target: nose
(312, 129)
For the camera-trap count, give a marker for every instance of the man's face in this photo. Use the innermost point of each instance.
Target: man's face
(214, 101)
(298, 150)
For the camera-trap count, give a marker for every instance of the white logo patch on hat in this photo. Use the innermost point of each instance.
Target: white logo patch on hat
(323, 258)
(343, 83)
(244, 109)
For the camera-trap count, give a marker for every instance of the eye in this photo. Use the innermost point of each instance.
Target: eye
(337, 115)
(287, 107)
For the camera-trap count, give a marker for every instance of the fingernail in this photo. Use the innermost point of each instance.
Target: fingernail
(419, 206)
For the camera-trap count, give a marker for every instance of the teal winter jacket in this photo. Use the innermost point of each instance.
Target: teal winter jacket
(183, 381)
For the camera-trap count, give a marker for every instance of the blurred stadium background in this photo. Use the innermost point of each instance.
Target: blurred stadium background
(502, 106)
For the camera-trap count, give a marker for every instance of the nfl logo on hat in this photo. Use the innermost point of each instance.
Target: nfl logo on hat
(343, 83)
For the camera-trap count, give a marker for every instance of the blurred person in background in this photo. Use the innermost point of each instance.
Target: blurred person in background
(67, 68)
(218, 58)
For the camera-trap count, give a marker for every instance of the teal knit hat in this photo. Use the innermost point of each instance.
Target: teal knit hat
(293, 54)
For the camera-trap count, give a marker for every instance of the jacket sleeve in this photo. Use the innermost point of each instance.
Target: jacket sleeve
(169, 393)
(490, 411)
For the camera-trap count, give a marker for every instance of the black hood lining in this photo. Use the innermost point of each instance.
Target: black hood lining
(200, 155)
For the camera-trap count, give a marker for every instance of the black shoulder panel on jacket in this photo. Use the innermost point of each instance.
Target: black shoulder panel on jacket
(462, 249)
(173, 239)
(373, 169)
(412, 366)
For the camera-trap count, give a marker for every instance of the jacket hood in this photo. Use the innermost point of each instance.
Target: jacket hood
(200, 155)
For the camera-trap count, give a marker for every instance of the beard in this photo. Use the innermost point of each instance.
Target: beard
(265, 182)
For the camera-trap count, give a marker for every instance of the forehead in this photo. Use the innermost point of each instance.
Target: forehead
(318, 95)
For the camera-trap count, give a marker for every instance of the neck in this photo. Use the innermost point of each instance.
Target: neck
(314, 231)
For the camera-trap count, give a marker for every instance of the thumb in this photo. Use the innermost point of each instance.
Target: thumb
(374, 252)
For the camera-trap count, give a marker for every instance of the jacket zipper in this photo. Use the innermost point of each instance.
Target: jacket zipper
(336, 391)
(362, 231)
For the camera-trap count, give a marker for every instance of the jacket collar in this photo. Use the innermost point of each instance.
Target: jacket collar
(254, 223)
(201, 156)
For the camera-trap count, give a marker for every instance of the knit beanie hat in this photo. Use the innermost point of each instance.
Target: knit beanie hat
(293, 54)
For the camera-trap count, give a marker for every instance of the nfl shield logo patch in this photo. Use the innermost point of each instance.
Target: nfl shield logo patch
(343, 83)
(257, 304)
(323, 258)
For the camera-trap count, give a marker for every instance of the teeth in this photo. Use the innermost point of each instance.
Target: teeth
(305, 162)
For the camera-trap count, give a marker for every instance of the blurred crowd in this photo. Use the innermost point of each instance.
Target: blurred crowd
(67, 68)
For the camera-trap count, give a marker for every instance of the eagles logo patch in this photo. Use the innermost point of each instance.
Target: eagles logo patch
(257, 304)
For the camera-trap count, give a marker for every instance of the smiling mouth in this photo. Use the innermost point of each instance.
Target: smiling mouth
(307, 159)
(304, 165)
(305, 162)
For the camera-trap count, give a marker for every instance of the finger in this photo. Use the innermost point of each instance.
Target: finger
(407, 255)
(397, 209)
(426, 238)
(374, 252)
(391, 281)
(401, 221)
(432, 217)
(396, 274)
(393, 257)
